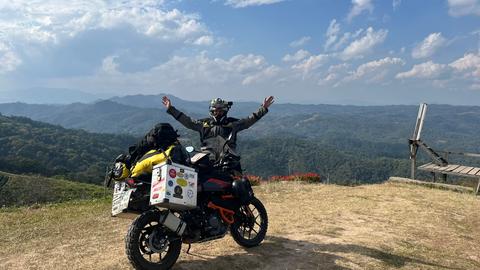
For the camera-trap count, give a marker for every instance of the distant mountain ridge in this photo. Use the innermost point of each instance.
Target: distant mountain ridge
(103, 116)
(43, 95)
(453, 127)
(241, 108)
(347, 147)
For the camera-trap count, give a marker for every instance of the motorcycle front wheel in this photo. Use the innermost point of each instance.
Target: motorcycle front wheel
(250, 225)
(151, 246)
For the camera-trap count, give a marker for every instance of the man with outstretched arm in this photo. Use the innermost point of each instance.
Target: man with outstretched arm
(218, 128)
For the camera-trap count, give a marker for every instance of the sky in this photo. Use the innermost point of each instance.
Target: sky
(363, 52)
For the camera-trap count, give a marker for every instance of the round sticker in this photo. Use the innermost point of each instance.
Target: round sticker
(170, 183)
(172, 173)
(182, 182)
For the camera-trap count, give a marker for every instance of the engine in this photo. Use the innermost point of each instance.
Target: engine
(215, 225)
(204, 225)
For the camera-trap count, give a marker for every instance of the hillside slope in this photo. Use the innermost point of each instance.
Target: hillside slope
(27, 190)
(387, 226)
(32, 147)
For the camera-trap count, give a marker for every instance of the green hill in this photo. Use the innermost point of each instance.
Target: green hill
(346, 144)
(27, 190)
(33, 147)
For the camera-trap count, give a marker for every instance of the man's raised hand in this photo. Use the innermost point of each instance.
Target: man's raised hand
(267, 102)
(166, 102)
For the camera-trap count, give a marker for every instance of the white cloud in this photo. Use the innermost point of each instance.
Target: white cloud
(34, 27)
(300, 42)
(463, 7)
(50, 21)
(334, 74)
(299, 55)
(109, 66)
(358, 7)
(262, 75)
(247, 3)
(461, 73)
(246, 63)
(346, 37)
(364, 44)
(396, 4)
(332, 34)
(429, 46)
(311, 63)
(338, 67)
(208, 76)
(8, 59)
(204, 41)
(427, 70)
(375, 70)
(468, 64)
(468, 61)
(239, 69)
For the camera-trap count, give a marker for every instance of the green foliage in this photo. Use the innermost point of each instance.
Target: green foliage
(344, 144)
(36, 148)
(27, 190)
(285, 156)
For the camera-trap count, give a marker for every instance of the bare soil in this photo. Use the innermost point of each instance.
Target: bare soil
(312, 226)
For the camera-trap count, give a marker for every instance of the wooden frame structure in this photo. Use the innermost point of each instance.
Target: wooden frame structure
(439, 164)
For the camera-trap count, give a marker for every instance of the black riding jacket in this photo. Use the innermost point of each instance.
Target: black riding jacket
(210, 128)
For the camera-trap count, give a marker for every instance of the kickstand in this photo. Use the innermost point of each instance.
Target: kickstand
(188, 249)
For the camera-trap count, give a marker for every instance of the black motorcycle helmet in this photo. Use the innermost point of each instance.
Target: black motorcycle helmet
(220, 104)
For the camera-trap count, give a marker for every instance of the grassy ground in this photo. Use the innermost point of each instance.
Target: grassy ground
(387, 226)
(28, 190)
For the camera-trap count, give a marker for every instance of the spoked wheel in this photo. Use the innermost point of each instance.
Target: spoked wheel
(250, 225)
(151, 246)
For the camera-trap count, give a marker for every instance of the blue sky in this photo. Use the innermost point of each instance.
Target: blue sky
(303, 51)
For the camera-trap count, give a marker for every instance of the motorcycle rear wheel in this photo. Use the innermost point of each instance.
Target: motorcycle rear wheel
(151, 246)
(250, 225)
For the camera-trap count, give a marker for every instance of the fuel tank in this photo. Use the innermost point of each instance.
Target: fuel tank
(215, 185)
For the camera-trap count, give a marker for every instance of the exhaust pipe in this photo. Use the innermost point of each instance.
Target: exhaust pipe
(174, 223)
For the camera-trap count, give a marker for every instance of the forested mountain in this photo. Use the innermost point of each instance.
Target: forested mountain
(448, 127)
(344, 143)
(32, 147)
(43, 95)
(101, 117)
(37, 148)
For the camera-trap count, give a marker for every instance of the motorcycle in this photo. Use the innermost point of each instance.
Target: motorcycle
(194, 205)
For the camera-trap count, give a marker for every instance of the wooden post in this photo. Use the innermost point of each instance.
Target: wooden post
(478, 187)
(422, 110)
(444, 178)
(413, 158)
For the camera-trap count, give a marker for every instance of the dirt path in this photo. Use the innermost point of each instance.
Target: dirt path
(388, 226)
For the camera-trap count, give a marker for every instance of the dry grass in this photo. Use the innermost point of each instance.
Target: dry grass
(388, 226)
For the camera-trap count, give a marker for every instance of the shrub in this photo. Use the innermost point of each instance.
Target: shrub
(304, 177)
(254, 180)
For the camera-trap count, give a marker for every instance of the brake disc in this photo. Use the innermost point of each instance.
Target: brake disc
(157, 243)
